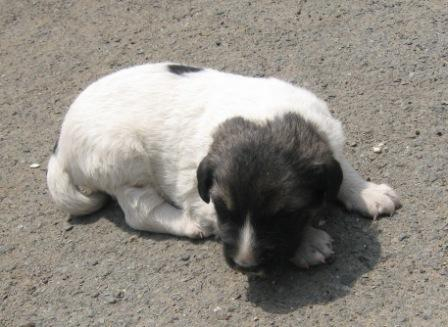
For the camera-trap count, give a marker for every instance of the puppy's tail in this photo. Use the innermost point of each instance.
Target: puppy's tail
(66, 195)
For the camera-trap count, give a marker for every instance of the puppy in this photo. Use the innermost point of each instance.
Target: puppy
(194, 152)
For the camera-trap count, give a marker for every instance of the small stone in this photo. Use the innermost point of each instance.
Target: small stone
(110, 299)
(217, 309)
(256, 318)
(403, 237)
(237, 297)
(353, 144)
(68, 227)
(186, 279)
(185, 257)
(376, 149)
(28, 324)
(133, 238)
(34, 165)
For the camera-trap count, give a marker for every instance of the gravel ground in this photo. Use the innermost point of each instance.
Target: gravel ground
(381, 65)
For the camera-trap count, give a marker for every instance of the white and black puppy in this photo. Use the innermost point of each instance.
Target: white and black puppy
(195, 152)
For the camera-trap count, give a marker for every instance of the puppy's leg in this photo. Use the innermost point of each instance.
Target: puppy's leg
(145, 210)
(365, 197)
(315, 248)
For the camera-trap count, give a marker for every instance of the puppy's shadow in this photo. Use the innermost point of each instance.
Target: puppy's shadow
(287, 288)
(357, 252)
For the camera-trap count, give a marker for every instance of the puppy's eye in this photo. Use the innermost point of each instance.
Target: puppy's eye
(220, 206)
(224, 213)
(286, 214)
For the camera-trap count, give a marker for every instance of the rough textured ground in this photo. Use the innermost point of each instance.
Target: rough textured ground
(382, 66)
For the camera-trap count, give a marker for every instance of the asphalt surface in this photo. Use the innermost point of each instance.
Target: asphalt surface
(381, 65)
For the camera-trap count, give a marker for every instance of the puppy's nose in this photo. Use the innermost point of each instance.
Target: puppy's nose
(245, 263)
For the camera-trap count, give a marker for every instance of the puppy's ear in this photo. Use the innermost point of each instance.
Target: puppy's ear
(204, 174)
(330, 178)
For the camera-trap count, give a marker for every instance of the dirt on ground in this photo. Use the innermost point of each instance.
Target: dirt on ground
(381, 65)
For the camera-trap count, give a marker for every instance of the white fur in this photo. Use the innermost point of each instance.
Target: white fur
(315, 248)
(245, 256)
(140, 133)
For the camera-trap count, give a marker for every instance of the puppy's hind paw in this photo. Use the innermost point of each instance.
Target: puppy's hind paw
(316, 248)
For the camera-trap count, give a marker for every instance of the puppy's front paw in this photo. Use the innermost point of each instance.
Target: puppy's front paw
(375, 200)
(315, 249)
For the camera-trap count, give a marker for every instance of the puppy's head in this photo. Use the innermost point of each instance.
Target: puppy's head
(265, 180)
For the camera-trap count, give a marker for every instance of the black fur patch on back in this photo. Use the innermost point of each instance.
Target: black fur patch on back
(181, 69)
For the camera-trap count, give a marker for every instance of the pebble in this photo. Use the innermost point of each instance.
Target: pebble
(378, 148)
(221, 314)
(185, 257)
(110, 299)
(403, 237)
(186, 279)
(35, 165)
(28, 324)
(68, 227)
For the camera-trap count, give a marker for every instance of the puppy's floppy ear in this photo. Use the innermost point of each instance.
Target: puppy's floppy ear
(204, 174)
(330, 178)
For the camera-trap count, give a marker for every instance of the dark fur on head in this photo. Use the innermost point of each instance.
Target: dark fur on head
(277, 173)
